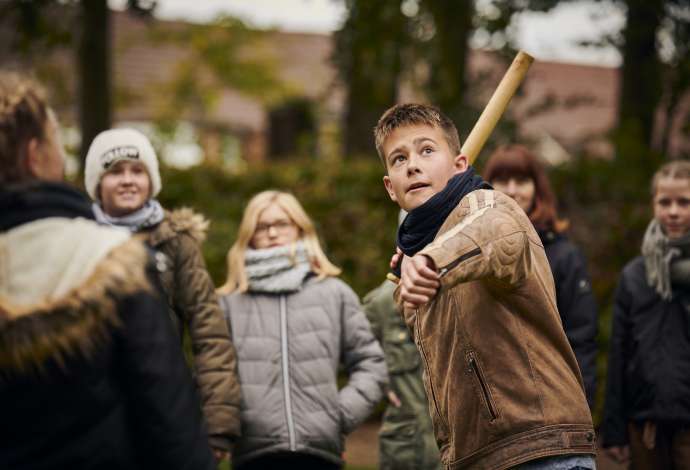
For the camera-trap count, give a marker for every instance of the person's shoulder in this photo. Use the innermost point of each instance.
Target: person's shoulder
(380, 293)
(496, 210)
(331, 286)
(186, 221)
(184, 225)
(561, 246)
(634, 268)
(328, 282)
(234, 301)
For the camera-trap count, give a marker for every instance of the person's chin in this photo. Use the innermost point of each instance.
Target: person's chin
(129, 206)
(413, 201)
(674, 234)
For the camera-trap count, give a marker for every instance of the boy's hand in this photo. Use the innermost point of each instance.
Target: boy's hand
(395, 259)
(418, 281)
(393, 399)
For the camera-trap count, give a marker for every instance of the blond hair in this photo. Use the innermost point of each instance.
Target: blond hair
(24, 115)
(411, 114)
(677, 169)
(237, 277)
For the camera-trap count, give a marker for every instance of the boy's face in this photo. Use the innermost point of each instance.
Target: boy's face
(419, 163)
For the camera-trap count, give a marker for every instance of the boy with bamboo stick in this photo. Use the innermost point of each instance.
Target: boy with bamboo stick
(477, 294)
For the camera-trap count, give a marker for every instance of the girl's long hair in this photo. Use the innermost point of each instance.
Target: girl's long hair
(517, 161)
(237, 277)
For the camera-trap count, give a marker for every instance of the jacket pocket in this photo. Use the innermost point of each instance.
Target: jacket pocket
(437, 418)
(475, 370)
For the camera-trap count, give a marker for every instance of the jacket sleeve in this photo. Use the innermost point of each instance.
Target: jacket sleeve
(215, 360)
(372, 309)
(164, 406)
(578, 310)
(615, 421)
(364, 364)
(491, 245)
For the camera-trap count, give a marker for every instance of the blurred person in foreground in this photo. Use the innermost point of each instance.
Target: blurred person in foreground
(294, 323)
(647, 407)
(515, 171)
(477, 293)
(406, 439)
(91, 374)
(122, 178)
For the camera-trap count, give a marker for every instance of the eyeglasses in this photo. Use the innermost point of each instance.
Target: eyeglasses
(280, 226)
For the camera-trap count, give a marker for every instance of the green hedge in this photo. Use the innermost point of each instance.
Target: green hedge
(355, 219)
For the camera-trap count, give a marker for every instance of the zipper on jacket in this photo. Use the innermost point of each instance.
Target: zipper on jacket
(485, 389)
(453, 264)
(286, 371)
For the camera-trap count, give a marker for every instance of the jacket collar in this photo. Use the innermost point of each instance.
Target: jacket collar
(179, 221)
(29, 202)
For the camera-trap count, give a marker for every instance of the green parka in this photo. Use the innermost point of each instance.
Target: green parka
(406, 440)
(193, 305)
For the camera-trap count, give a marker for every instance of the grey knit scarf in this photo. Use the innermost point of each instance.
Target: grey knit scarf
(277, 270)
(149, 215)
(667, 261)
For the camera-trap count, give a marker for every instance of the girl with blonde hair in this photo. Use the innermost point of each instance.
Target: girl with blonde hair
(237, 276)
(293, 323)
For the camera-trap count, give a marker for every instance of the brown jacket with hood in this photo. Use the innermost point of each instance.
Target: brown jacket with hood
(503, 384)
(193, 304)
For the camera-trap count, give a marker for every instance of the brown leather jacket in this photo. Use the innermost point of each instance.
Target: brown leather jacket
(503, 384)
(194, 306)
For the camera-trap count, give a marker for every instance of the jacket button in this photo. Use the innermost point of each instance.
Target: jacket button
(590, 437)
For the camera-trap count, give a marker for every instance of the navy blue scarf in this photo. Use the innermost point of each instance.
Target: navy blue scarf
(423, 223)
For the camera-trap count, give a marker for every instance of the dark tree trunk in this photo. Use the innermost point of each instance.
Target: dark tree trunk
(94, 83)
(448, 56)
(640, 89)
(369, 57)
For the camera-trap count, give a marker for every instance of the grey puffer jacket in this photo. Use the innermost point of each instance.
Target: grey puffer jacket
(289, 348)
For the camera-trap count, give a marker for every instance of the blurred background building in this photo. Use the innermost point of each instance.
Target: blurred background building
(223, 92)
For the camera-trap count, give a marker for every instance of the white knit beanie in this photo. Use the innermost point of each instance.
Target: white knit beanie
(114, 145)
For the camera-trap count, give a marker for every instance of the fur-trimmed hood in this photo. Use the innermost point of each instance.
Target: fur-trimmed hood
(60, 281)
(183, 220)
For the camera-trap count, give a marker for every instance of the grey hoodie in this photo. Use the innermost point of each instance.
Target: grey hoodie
(289, 348)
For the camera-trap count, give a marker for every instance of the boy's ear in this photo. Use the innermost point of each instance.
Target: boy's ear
(389, 187)
(461, 163)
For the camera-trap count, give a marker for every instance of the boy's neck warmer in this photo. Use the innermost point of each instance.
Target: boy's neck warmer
(423, 223)
(666, 261)
(149, 215)
(279, 270)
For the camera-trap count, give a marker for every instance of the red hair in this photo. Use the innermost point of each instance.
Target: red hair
(518, 162)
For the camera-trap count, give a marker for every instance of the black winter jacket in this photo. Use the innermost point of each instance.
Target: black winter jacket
(649, 358)
(576, 304)
(94, 378)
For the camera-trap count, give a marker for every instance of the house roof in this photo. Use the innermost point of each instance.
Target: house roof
(573, 104)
